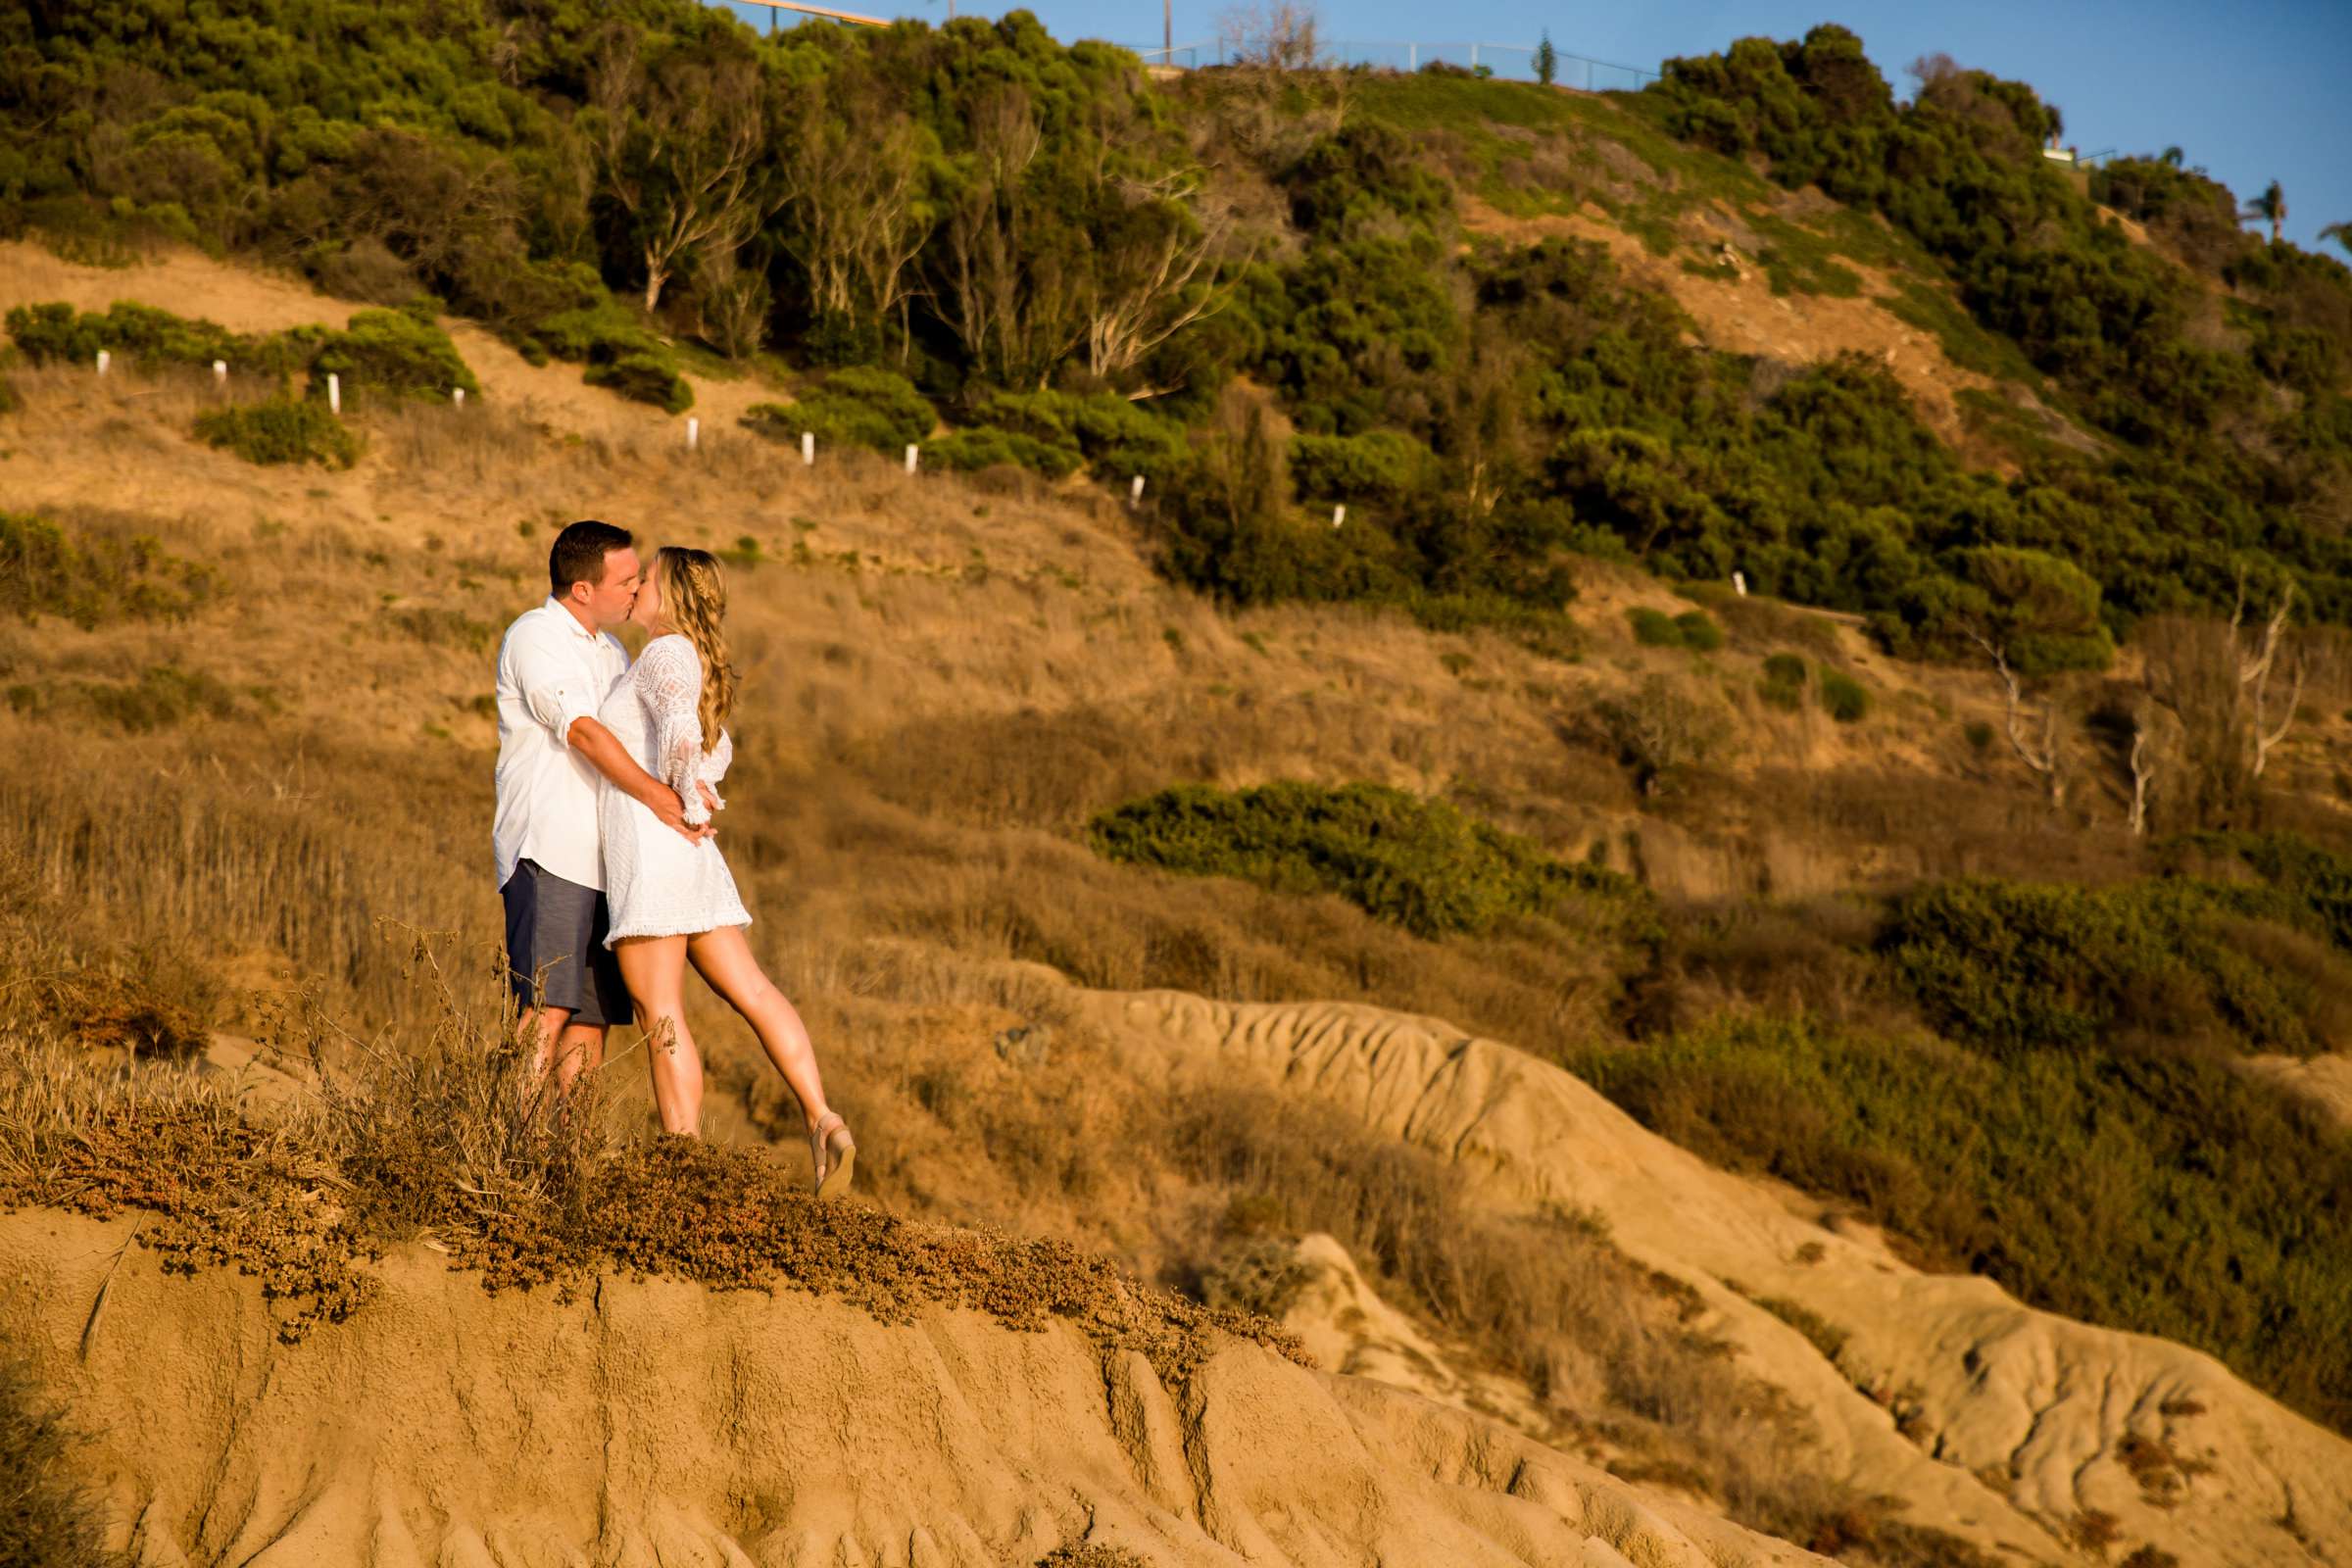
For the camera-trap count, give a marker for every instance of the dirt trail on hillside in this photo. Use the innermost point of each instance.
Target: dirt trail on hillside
(655, 1422)
(2020, 1420)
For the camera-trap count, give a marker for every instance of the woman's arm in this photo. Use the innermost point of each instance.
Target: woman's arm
(602, 750)
(669, 683)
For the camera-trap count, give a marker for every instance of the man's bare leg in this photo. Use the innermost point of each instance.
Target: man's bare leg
(560, 1045)
(579, 1047)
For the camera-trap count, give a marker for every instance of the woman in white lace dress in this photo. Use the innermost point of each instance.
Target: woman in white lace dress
(673, 900)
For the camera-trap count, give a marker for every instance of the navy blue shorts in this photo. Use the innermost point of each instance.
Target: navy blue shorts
(555, 952)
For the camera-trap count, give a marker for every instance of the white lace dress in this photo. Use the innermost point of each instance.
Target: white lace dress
(657, 882)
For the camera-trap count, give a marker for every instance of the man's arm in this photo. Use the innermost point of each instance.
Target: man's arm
(552, 690)
(602, 750)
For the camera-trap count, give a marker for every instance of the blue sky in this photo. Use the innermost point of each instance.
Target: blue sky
(2254, 92)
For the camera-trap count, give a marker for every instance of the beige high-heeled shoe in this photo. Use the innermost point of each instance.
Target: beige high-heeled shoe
(834, 1153)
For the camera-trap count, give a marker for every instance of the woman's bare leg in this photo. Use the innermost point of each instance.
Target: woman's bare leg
(655, 971)
(724, 961)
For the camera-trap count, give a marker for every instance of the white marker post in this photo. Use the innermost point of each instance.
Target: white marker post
(1339, 514)
(221, 373)
(694, 432)
(910, 457)
(1135, 491)
(334, 393)
(457, 396)
(1741, 583)
(807, 449)
(103, 359)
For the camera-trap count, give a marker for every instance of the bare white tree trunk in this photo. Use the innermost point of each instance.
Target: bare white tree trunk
(2143, 777)
(2254, 672)
(2044, 759)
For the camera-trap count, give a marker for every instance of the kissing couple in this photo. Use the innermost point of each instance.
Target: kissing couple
(613, 883)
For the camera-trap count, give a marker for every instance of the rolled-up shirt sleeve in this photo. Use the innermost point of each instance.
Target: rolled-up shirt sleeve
(553, 686)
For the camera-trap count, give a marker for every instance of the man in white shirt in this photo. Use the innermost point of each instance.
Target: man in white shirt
(555, 667)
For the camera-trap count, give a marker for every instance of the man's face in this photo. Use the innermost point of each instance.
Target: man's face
(608, 600)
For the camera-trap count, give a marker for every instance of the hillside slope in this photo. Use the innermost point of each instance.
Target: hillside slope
(1999, 1424)
(255, 695)
(654, 1422)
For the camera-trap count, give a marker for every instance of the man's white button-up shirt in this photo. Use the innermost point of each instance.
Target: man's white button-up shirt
(551, 672)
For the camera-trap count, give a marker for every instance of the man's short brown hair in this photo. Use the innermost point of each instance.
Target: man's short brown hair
(579, 553)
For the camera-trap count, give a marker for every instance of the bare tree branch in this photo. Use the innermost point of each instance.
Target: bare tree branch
(2046, 763)
(683, 151)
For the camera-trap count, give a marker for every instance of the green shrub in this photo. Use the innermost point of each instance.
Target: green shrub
(93, 579)
(1378, 469)
(2319, 881)
(379, 353)
(1845, 698)
(2017, 967)
(1420, 864)
(1699, 635)
(1784, 684)
(1118, 438)
(1654, 628)
(860, 406)
(391, 353)
(590, 327)
(141, 333)
(643, 379)
(281, 430)
(988, 447)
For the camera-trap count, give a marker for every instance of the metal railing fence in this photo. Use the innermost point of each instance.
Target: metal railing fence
(1514, 61)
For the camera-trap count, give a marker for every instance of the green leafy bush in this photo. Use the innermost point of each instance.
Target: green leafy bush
(566, 314)
(2017, 967)
(2316, 879)
(1420, 864)
(391, 355)
(1845, 699)
(281, 430)
(1654, 628)
(643, 379)
(1692, 629)
(858, 406)
(1380, 467)
(987, 447)
(93, 579)
(1698, 633)
(52, 333)
(1784, 683)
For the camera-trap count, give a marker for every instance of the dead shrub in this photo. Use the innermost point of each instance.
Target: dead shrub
(1660, 734)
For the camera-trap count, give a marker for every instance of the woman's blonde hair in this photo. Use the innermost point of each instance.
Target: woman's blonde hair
(694, 601)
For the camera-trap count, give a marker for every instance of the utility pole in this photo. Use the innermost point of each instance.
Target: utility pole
(1167, 32)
